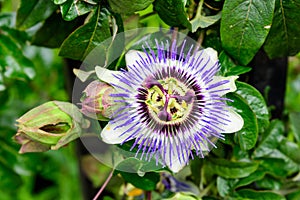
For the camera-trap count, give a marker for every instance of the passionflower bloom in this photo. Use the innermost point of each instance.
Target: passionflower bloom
(174, 104)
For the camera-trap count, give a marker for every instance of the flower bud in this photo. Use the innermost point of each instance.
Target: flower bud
(49, 126)
(97, 101)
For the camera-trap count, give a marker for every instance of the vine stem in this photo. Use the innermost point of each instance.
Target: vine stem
(148, 195)
(104, 185)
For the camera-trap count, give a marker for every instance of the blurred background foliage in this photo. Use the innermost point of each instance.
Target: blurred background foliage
(49, 175)
(38, 74)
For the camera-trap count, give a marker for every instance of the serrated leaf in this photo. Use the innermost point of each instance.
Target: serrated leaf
(229, 68)
(73, 8)
(172, 12)
(128, 6)
(33, 11)
(231, 169)
(248, 135)
(47, 35)
(258, 195)
(88, 36)
(256, 102)
(244, 27)
(283, 39)
(270, 140)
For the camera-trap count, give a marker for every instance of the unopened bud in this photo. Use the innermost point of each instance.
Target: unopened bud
(97, 101)
(49, 126)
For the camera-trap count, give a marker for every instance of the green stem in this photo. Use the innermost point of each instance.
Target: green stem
(207, 189)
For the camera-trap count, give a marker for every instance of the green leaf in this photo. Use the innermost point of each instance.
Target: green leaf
(172, 12)
(278, 164)
(238, 153)
(58, 2)
(147, 181)
(291, 150)
(283, 39)
(270, 140)
(295, 124)
(201, 21)
(225, 186)
(248, 135)
(255, 176)
(245, 26)
(33, 11)
(84, 39)
(269, 183)
(74, 8)
(258, 195)
(47, 35)
(229, 68)
(128, 6)
(13, 64)
(256, 102)
(231, 169)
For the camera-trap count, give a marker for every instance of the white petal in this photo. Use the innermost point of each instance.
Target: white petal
(235, 124)
(174, 163)
(213, 54)
(209, 59)
(133, 55)
(225, 88)
(106, 75)
(110, 135)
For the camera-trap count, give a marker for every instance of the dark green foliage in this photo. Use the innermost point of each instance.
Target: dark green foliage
(245, 26)
(284, 36)
(261, 161)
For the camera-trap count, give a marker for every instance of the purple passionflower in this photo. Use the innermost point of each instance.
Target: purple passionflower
(173, 104)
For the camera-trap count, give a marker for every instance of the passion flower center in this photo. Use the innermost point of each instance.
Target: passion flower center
(168, 100)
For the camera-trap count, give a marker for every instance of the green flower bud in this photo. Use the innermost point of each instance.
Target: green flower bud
(97, 102)
(49, 126)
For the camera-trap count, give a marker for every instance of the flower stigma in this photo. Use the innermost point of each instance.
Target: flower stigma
(168, 101)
